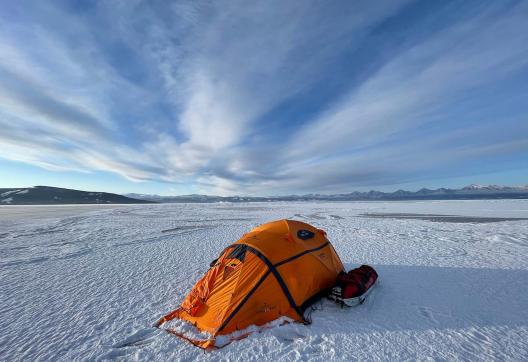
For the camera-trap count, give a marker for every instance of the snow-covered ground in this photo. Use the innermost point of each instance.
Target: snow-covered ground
(87, 283)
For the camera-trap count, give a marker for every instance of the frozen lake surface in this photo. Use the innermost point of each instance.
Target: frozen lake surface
(87, 282)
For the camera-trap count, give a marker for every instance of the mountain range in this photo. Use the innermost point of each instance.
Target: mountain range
(46, 195)
(465, 193)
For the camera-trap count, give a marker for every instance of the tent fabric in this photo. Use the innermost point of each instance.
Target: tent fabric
(276, 270)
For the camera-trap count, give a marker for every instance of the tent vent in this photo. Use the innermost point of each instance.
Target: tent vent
(305, 234)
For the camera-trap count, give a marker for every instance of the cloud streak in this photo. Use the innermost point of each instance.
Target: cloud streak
(265, 98)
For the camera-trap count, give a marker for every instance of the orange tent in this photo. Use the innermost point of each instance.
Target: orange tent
(277, 269)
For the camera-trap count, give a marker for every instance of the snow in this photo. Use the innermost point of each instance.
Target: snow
(9, 200)
(7, 193)
(87, 283)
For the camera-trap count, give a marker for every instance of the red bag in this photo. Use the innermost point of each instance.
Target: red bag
(357, 281)
(351, 288)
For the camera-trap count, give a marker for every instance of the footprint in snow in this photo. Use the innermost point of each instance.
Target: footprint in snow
(428, 314)
(138, 339)
(286, 335)
(451, 252)
(434, 316)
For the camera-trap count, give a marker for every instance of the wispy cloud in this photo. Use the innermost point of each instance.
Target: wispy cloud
(268, 97)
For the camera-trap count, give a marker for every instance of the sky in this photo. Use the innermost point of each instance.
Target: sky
(263, 97)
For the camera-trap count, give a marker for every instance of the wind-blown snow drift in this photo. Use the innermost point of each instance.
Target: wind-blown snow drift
(89, 285)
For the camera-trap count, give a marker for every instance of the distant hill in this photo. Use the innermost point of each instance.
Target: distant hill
(45, 195)
(470, 192)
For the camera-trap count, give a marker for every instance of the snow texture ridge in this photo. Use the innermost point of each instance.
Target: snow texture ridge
(88, 283)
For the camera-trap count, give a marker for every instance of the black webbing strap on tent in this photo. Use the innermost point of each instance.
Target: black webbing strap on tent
(272, 268)
(301, 254)
(277, 275)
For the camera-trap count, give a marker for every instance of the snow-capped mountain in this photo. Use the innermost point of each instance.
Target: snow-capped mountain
(475, 187)
(54, 195)
(469, 192)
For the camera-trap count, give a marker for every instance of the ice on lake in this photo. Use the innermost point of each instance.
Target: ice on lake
(87, 282)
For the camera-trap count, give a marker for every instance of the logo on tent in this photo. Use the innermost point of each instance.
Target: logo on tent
(266, 308)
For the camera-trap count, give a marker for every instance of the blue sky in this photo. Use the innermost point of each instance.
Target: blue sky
(263, 98)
